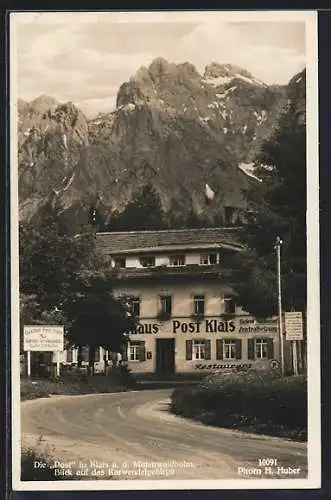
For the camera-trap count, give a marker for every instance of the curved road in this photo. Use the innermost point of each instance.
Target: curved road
(127, 435)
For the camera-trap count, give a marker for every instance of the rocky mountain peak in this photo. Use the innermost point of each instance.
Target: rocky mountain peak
(43, 103)
(296, 91)
(216, 74)
(160, 67)
(172, 128)
(215, 70)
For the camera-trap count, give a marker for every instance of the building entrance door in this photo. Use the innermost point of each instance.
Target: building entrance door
(165, 356)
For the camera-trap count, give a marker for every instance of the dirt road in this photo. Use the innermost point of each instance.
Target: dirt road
(133, 436)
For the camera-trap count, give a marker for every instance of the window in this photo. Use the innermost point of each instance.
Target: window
(261, 349)
(229, 349)
(166, 304)
(119, 262)
(148, 261)
(199, 349)
(135, 306)
(97, 355)
(208, 259)
(137, 351)
(134, 351)
(177, 260)
(85, 353)
(199, 305)
(229, 305)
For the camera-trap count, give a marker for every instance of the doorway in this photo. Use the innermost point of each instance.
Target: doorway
(165, 356)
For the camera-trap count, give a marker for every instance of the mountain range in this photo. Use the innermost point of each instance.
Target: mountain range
(173, 127)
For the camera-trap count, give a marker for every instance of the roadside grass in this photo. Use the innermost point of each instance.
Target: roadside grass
(263, 403)
(76, 383)
(30, 471)
(39, 466)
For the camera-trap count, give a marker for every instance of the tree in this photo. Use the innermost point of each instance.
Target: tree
(51, 259)
(64, 281)
(189, 220)
(97, 318)
(278, 205)
(144, 212)
(96, 218)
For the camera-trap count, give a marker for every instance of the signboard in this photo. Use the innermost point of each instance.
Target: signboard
(293, 326)
(239, 325)
(43, 338)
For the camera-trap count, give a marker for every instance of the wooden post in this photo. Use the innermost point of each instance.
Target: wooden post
(57, 364)
(29, 363)
(295, 357)
(300, 363)
(280, 312)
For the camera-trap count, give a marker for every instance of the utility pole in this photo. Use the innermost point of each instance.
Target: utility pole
(280, 312)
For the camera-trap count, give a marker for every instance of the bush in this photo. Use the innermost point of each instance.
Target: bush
(249, 401)
(117, 380)
(31, 473)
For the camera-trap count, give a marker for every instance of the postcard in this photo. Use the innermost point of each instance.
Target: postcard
(164, 250)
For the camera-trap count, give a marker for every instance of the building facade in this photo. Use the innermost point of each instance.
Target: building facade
(180, 285)
(180, 288)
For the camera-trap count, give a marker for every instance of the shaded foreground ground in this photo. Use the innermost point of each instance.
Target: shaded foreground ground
(133, 436)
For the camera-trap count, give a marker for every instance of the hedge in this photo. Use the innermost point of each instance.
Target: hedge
(264, 403)
(31, 473)
(78, 383)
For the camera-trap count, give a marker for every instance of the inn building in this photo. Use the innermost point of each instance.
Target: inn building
(181, 287)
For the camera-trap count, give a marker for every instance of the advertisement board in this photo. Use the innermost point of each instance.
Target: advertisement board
(43, 338)
(293, 326)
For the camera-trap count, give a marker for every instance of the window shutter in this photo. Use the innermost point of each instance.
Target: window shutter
(69, 355)
(142, 351)
(189, 349)
(251, 354)
(270, 348)
(125, 352)
(238, 349)
(207, 349)
(219, 349)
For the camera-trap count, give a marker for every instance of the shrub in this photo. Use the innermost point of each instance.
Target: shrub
(117, 380)
(31, 473)
(260, 402)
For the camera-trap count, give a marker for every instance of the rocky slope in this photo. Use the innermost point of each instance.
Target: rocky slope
(172, 127)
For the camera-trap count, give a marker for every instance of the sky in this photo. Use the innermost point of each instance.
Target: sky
(85, 57)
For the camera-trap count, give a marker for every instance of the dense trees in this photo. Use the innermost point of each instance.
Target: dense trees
(64, 281)
(51, 259)
(279, 209)
(143, 212)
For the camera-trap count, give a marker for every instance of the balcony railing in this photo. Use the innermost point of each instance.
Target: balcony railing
(189, 271)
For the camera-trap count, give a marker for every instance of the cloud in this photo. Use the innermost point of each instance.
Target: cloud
(227, 44)
(60, 62)
(91, 107)
(85, 58)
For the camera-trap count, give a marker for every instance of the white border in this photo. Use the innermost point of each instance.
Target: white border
(314, 430)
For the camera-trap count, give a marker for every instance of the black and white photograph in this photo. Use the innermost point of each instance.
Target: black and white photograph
(164, 197)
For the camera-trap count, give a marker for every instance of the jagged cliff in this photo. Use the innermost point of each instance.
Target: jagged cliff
(172, 127)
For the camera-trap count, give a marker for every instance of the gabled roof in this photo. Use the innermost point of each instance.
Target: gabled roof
(173, 239)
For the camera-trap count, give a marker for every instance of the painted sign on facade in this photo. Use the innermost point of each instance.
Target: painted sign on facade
(43, 338)
(220, 366)
(208, 325)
